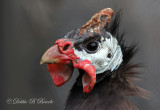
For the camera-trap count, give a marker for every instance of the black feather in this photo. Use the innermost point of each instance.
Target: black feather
(112, 88)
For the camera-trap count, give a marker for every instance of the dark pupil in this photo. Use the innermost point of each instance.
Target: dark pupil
(92, 46)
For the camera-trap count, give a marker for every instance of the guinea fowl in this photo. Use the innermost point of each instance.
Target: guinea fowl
(98, 51)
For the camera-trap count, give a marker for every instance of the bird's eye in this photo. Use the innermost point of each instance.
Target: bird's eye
(91, 47)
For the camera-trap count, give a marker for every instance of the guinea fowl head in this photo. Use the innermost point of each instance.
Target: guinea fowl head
(96, 49)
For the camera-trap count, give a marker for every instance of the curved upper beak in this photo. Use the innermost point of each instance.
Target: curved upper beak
(53, 55)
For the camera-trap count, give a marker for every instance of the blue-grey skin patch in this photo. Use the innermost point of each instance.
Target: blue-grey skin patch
(99, 59)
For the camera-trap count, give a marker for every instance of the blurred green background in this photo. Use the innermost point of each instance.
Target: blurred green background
(29, 27)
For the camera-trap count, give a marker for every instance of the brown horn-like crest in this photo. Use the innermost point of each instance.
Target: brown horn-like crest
(97, 21)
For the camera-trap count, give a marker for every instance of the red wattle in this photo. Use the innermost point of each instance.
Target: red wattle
(90, 70)
(87, 89)
(60, 73)
(58, 80)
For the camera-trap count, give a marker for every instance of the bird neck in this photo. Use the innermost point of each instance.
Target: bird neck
(104, 96)
(110, 93)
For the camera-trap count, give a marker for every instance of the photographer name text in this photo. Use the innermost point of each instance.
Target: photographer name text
(29, 101)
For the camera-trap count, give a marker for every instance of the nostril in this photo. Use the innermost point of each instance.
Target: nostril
(66, 47)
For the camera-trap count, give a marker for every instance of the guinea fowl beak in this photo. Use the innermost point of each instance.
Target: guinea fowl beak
(58, 62)
(53, 55)
(50, 56)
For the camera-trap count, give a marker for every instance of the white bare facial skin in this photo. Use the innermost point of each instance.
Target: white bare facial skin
(100, 59)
